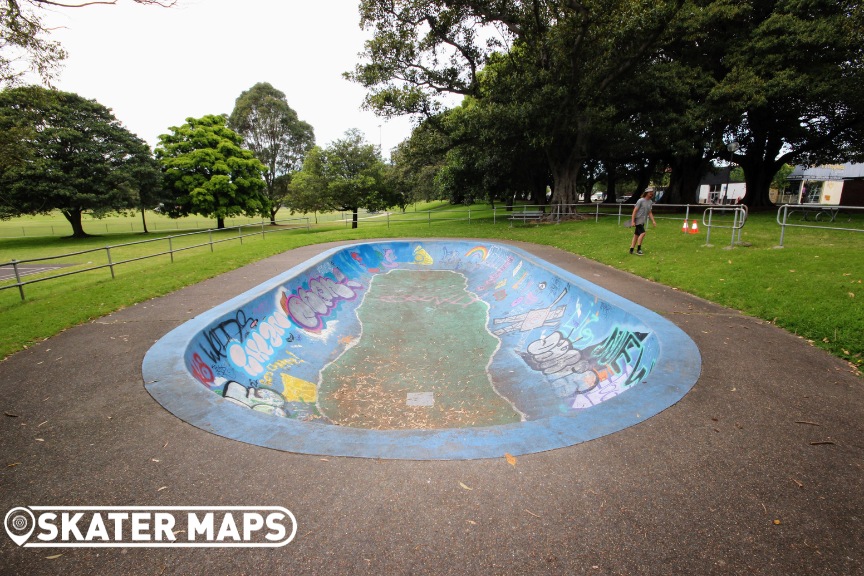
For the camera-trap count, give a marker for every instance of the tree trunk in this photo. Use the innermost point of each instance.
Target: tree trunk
(565, 163)
(758, 174)
(74, 218)
(354, 218)
(687, 172)
(611, 182)
(143, 220)
(220, 222)
(273, 212)
(565, 178)
(758, 182)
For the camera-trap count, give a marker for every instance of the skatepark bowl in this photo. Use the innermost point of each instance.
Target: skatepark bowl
(422, 349)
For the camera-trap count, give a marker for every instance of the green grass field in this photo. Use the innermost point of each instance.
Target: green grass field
(812, 287)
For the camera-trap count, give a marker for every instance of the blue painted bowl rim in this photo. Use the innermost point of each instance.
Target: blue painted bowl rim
(167, 379)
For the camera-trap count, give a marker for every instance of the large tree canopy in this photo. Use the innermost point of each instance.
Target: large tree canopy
(632, 85)
(24, 38)
(791, 91)
(209, 173)
(72, 155)
(349, 174)
(562, 58)
(272, 130)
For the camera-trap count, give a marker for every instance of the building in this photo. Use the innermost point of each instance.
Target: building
(716, 188)
(831, 184)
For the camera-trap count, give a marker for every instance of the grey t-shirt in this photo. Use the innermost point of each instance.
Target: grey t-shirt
(643, 207)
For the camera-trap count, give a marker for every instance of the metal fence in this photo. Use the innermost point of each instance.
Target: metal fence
(20, 268)
(845, 218)
(713, 217)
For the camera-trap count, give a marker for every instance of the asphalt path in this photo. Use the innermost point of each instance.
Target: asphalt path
(8, 272)
(757, 470)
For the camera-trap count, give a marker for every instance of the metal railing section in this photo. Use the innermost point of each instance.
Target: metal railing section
(739, 217)
(111, 263)
(827, 214)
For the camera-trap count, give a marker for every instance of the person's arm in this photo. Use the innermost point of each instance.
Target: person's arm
(633, 215)
(651, 214)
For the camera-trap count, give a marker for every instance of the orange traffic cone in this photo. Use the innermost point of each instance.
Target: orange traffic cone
(695, 228)
(684, 228)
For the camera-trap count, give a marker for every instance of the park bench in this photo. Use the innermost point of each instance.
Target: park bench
(526, 216)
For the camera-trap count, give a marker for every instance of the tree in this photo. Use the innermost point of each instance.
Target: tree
(348, 175)
(152, 195)
(272, 130)
(308, 188)
(208, 172)
(24, 37)
(416, 162)
(788, 88)
(76, 157)
(561, 58)
(489, 158)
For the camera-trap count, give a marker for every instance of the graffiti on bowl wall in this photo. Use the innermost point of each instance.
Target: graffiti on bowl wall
(558, 349)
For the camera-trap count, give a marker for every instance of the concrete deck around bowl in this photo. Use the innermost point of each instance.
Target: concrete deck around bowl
(757, 470)
(575, 360)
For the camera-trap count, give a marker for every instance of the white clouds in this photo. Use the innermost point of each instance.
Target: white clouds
(155, 67)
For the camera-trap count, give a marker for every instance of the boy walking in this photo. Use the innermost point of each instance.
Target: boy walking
(641, 213)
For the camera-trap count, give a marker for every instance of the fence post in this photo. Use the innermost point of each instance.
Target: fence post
(734, 225)
(429, 213)
(110, 263)
(785, 209)
(263, 233)
(171, 249)
(18, 278)
(710, 212)
(240, 234)
(210, 235)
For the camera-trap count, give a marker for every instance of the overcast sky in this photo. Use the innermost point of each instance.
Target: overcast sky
(155, 67)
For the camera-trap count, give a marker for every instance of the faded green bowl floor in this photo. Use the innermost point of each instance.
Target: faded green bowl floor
(423, 332)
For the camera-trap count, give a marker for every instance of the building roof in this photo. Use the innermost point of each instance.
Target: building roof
(828, 172)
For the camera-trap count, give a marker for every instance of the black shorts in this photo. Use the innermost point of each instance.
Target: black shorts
(639, 229)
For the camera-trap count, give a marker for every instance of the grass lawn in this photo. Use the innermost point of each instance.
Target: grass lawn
(812, 287)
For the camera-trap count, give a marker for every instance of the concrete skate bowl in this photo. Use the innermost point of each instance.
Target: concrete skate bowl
(426, 349)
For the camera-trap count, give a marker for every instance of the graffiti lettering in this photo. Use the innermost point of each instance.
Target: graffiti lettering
(258, 348)
(201, 371)
(497, 274)
(554, 355)
(292, 360)
(614, 364)
(308, 307)
(616, 350)
(220, 335)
